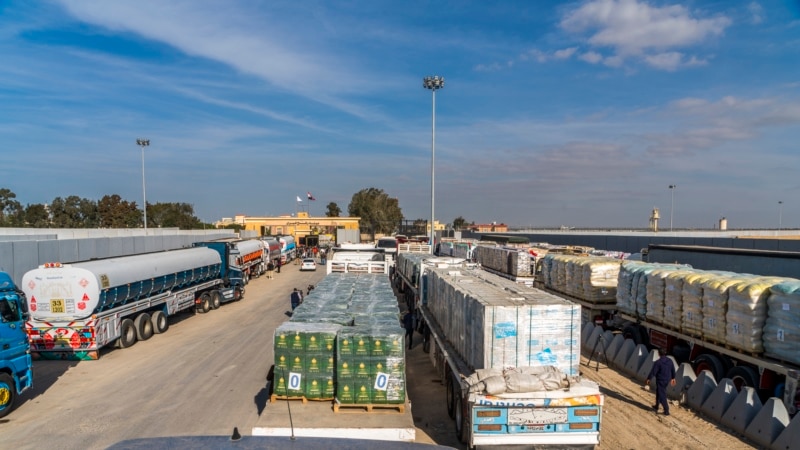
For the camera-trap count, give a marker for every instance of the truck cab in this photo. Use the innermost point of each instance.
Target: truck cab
(15, 356)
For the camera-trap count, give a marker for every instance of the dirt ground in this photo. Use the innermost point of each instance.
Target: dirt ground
(628, 421)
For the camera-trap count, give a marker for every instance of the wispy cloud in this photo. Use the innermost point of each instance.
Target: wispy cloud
(633, 29)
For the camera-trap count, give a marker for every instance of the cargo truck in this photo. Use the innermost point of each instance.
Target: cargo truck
(480, 323)
(77, 309)
(735, 326)
(15, 356)
(357, 258)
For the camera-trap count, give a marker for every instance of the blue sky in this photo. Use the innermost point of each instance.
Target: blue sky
(553, 113)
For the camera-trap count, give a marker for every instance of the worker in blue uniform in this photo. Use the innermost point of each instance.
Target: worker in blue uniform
(664, 372)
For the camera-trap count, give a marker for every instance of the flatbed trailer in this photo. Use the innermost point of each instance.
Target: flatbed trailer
(542, 418)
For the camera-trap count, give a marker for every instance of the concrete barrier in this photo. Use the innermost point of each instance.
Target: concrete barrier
(720, 400)
(625, 352)
(647, 365)
(769, 423)
(790, 437)
(742, 410)
(614, 345)
(586, 331)
(635, 360)
(700, 390)
(684, 378)
(593, 342)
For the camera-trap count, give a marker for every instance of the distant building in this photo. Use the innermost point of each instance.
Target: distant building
(488, 228)
(298, 225)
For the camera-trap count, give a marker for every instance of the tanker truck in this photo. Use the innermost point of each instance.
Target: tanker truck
(250, 256)
(15, 357)
(77, 309)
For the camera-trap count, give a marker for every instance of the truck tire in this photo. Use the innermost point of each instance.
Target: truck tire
(205, 303)
(426, 339)
(450, 398)
(712, 363)
(632, 332)
(237, 293)
(462, 428)
(8, 394)
(144, 328)
(742, 376)
(215, 299)
(160, 322)
(127, 336)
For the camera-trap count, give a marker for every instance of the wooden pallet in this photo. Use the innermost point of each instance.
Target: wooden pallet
(369, 407)
(274, 397)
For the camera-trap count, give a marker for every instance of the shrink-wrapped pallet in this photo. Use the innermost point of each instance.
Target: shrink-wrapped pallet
(673, 298)
(599, 279)
(493, 322)
(655, 294)
(627, 283)
(511, 261)
(692, 296)
(782, 328)
(747, 313)
(304, 359)
(715, 304)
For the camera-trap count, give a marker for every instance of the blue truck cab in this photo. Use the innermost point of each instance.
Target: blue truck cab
(15, 356)
(231, 273)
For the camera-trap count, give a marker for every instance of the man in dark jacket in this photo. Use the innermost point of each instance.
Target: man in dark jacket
(408, 324)
(296, 298)
(664, 372)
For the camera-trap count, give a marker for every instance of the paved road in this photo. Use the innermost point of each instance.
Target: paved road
(204, 376)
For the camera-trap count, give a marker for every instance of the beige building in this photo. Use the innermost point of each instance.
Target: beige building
(297, 225)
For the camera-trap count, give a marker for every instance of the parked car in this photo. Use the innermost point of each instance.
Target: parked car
(308, 264)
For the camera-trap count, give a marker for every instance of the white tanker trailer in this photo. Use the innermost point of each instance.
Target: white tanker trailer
(76, 309)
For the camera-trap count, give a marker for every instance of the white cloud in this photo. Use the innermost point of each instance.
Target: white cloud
(635, 29)
(591, 57)
(565, 53)
(756, 12)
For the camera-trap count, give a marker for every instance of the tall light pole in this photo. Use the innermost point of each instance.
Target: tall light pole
(672, 204)
(143, 143)
(433, 83)
(780, 215)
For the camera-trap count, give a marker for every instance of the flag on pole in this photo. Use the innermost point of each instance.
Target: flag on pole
(298, 199)
(310, 197)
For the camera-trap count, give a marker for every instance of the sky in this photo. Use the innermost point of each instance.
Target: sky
(576, 113)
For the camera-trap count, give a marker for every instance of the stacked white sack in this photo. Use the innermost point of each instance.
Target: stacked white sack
(747, 313)
(673, 298)
(782, 328)
(626, 297)
(692, 295)
(715, 304)
(599, 278)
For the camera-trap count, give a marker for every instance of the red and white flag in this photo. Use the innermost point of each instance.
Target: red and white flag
(310, 197)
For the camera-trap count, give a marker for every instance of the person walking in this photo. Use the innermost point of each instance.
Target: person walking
(278, 265)
(408, 324)
(270, 269)
(296, 298)
(664, 372)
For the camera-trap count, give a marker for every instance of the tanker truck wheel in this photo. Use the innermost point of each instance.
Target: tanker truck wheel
(215, 299)
(160, 322)
(450, 398)
(8, 394)
(205, 303)
(144, 328)
(127, 334)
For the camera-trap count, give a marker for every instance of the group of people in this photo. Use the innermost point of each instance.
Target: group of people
(272, 267)
(296, 297)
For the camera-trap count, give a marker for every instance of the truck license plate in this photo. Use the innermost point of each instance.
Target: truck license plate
(536, 416)
(57, 305)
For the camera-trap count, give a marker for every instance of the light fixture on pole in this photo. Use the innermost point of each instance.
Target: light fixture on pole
(672, 205)
(143, 143)
(433, 83)
(780, 215)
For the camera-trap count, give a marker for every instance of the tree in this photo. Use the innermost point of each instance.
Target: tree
(377, 210)
(9, 207)
(459, 223)
(333, 210)
(114, 212)
(37, 216)
(74, 212)
(170, 215)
